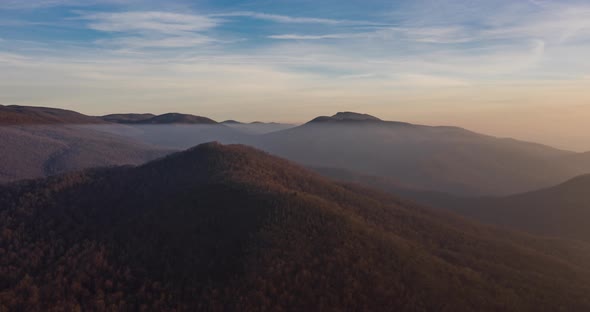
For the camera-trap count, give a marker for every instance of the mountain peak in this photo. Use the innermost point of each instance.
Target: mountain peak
(354, 116)
(180, 118)
(347, 117)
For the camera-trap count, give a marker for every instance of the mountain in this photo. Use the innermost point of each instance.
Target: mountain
(19, 115)
(578, 160)
(232, 122)
(172, 130)
(169, 118)
(232, 228)
(560, 211)
(443, 159)
(33, 151)
(127, 118)
(347, 117)
(257, 127)
(446, 159)
(376, 182)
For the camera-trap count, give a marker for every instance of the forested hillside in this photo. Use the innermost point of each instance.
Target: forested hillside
(225, 228)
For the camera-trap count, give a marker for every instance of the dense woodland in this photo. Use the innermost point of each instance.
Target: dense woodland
(223, 228)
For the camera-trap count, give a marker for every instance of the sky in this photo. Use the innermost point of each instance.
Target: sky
(510, 68)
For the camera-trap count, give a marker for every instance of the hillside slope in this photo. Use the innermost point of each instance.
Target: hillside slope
(150, 119)
(560, 211)
(446, 159)
(229, 227)
(34, 151)
(28, 115)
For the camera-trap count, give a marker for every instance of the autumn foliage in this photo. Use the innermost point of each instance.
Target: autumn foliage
(226, 228)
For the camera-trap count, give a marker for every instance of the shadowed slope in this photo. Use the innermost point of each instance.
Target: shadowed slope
(229, 227)
(560, 211)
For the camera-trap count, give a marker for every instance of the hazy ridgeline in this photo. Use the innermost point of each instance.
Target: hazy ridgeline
(35, 151)
(41, 141)
(446, 159)
(175, 136)
(225, 227)
(561, 211)
(258, 127)
(435, 166)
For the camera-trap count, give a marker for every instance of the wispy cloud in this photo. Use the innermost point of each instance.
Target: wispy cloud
(143, 22)
(16, 4)
(315, 37)
(178, 41)
(416, 34)
(277, 18)
(152, 28)
(36, 4)
(13, 59)
(555, 23)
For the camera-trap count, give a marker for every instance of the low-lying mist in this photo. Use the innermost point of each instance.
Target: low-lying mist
(445, 159)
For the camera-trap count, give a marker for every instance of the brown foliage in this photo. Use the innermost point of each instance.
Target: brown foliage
(230, 228)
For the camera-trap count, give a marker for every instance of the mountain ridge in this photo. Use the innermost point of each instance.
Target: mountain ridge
(558, 211)
(446, 159)
(167, 118)
(224, 227)
(127, 117)
(36, 115)
(346, 116)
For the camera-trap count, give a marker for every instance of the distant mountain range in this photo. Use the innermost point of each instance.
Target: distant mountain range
(35, 151)
(28, 115)
(233, 228)
(150, 119)
(39, 141)
(561, 211)
(127, 118)
(257, 127)
(444, 159)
